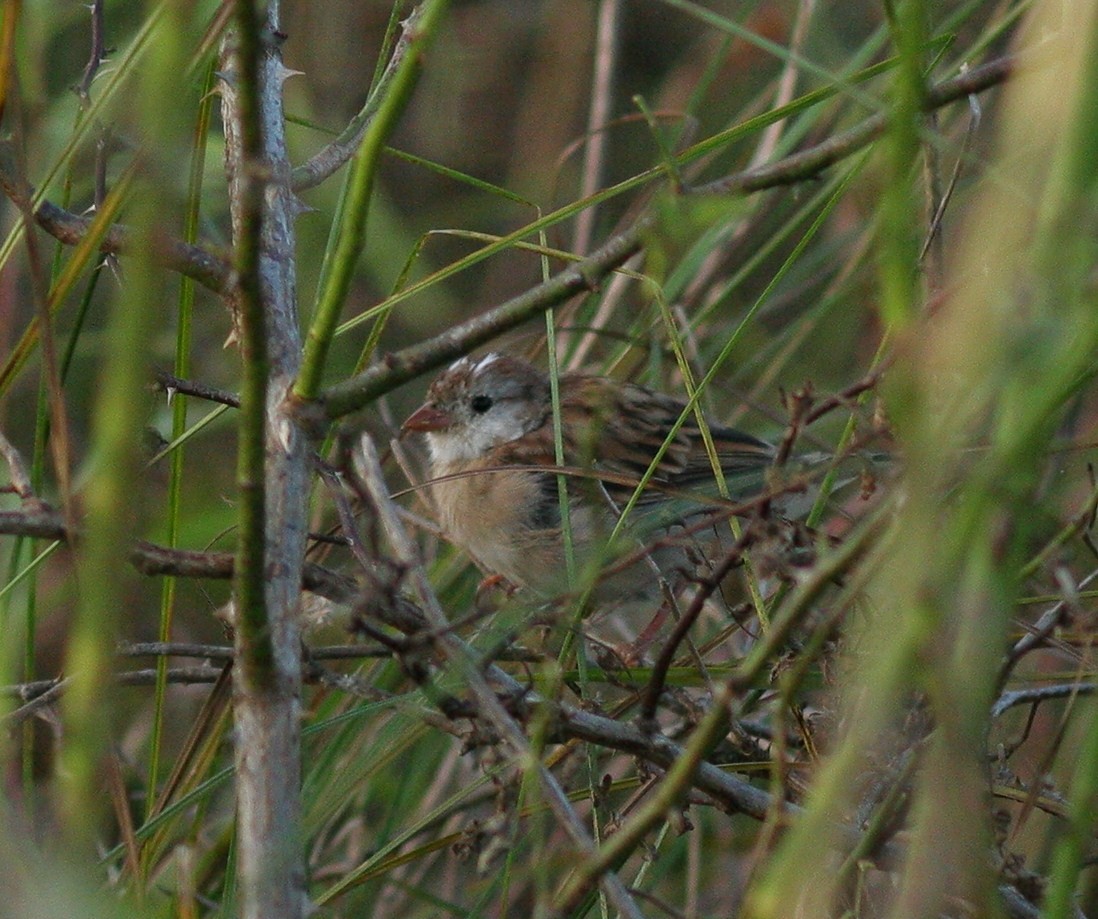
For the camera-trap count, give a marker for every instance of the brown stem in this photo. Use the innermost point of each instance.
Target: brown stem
(407, 364)
(195, 262)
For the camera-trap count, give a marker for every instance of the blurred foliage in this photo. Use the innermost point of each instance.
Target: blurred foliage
(886, 712)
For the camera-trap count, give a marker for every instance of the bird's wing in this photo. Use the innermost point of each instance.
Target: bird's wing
(619, 428)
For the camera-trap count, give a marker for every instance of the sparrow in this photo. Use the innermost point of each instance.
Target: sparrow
(489, 429)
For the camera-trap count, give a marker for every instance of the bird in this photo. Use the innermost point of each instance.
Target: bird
(489, 430)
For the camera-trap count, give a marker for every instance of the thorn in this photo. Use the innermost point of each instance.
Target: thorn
(285, 435)
(284, 73)
(110, 261)
(299, 207)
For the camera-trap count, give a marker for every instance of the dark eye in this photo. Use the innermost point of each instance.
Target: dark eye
(481, 404)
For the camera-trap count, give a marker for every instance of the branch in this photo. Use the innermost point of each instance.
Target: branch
(396, 369)
(325, 163)
(41, 522)
(173, 384)
(272, 473)
(150, 559)
(193, 262)
(41, 693)
(409, 363)
(97, 55)
(1008, 700)
(809, 163)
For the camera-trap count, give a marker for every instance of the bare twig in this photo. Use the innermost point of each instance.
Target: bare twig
(334, 481)
(812, 161)
(1041, 630)
(42, 693)
(653, 690)
(173, 384)
(39, 523)
(174, 649)
(847, 396)
(409, 363)
(933, 236)
(1008, 700)
(152, 559)
(325, 163)
(225, 652)
(98, 53)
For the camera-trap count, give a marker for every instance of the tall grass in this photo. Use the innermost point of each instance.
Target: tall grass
(851, 231)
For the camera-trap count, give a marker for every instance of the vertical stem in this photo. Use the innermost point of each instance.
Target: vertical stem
(272, 476)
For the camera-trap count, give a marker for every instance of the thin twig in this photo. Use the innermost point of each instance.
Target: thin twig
(173, 384)
(334, 480)
(1008, 700)
(152, 559)
(325, 162)
(226, 652)
(41, 522)
(810, 162)
(1040, 631)
(41, 693)
(97, 55)
(652, 692)
(934, 233)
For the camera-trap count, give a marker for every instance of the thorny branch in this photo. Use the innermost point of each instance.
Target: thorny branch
(195, 262)
(325, 162)
(172, 384)
(42, 693)
(98, 52)
(151, 559)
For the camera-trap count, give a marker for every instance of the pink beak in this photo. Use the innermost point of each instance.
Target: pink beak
(427, 418)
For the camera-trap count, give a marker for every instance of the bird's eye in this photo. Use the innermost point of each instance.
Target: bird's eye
(481, 404)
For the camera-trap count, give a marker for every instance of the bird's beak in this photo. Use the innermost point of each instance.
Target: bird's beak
(427, 418)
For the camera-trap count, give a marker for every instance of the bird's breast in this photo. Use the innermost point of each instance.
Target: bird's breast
(493, 517)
